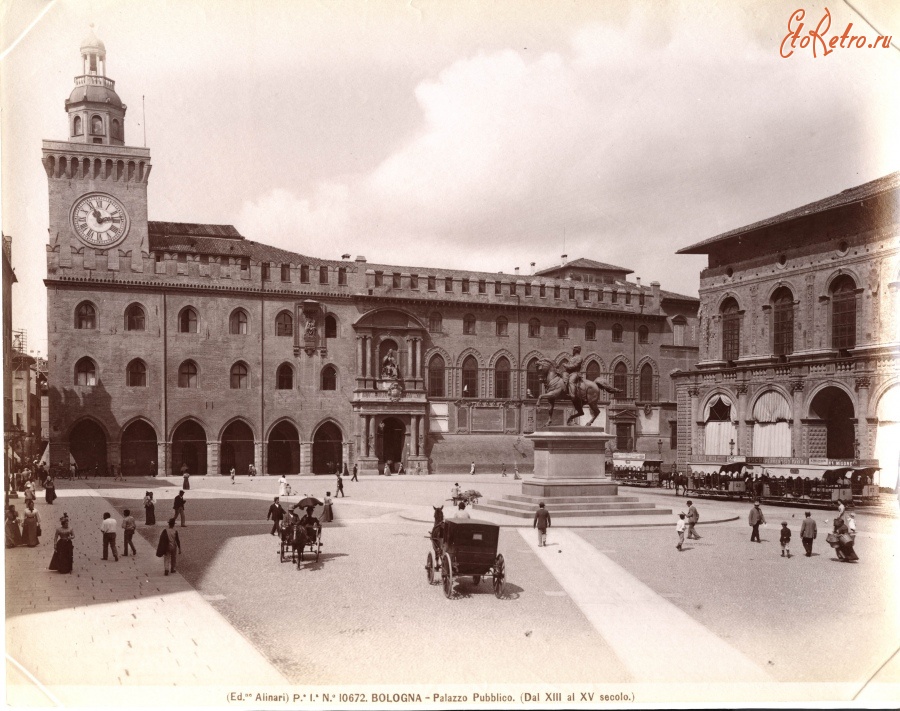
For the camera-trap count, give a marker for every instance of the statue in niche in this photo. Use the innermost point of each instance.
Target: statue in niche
(310, 331)
(389, 368)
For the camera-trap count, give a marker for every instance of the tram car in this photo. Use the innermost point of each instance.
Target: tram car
(638, 472)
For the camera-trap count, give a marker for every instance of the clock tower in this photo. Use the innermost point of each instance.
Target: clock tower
(98, 185)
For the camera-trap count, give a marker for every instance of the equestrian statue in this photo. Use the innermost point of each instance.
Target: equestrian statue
(567, 381)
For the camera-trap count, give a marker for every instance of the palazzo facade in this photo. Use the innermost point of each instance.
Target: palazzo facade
(798, 368)
(176, 344)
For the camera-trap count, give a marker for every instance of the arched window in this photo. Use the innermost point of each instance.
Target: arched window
(136, 374)
(783, 321)
(731, 330)
(237, 324)
(617, 333)
(436, 369)
(240, 376)
(187, 375)
(534, 328)
(646, 383)
(643, 334)
(329, 378)
(469, 325)
(284, 324)
(502, 326)
(187, 321)
(590, 331)
(620, 380)
(135, 319)
(470, 377)
(562, 329)
(116, 129)
(77, 129)
(85, 372)
(330, 326)
(96, 125)
(284, 377)
(85, 316)
(435, 322)
(592, 372)
(843, 313)
(532, 379)
(678, 327)
(502, 387)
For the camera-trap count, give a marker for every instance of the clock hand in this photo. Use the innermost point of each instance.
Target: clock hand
(96, 214)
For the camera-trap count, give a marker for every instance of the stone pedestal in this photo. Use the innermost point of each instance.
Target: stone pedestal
(570, 478)
(368, 465)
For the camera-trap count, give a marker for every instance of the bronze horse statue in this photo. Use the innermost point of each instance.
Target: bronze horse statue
(586, 393)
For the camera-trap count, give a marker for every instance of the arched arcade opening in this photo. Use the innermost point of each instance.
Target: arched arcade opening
(236, 448)
(188, 448)
(87, 445)
(327, 449)
(283, 455)
(138, 449)
(831, 425)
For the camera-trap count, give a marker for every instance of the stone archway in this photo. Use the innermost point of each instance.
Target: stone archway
(283, 455)
(327, 449)
(390, 443)
(138, 449)
(236, 448)
(188, 448)
(87, 445)
(831, 425)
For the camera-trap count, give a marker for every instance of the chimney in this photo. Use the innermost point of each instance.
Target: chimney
(638, 280)
(654, 289)
(345, 256)
(517, 271)
(360, 258)
(564, 258)
(532, 268)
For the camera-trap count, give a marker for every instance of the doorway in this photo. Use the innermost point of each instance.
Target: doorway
(138, 450)
(87, 444)
(393, 439)
(328, 449)
(834, 410)
(189, 448)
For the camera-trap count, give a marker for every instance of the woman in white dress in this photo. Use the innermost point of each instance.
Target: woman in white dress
(282, 485)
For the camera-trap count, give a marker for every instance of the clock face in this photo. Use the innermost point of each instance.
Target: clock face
(99, 220)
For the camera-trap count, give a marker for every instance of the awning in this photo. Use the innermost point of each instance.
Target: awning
(771, 407)
(704, 468)
(732, 468)
(718, 401)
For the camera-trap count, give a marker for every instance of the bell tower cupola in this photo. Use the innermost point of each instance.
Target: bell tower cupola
(96, 113)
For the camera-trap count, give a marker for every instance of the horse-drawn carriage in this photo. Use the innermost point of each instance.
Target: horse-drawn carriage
(299, 535)
(464, 548)
(468, 497)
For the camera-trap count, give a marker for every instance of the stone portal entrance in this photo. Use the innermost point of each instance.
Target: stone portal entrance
(832, 418)
(393, 440)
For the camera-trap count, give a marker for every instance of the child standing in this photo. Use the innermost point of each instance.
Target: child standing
(679, 529)
(785, 539)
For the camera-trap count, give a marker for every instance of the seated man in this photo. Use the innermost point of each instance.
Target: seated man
(310, 523)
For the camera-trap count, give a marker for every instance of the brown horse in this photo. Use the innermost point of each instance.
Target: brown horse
(587, 392)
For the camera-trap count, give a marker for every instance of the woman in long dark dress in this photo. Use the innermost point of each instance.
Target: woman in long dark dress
(13, 533)
(149, 510)
(50, 490)
(30, 524)
(63, 548)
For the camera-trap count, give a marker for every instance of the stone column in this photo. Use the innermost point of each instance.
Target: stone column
(113, 454)
(306, 457)
(258, 452)
(360, 363)
(370, 435)
(212, 459)
(414, 436)
(797, 424)
(694, 394)
(419, 370)
(862, 425)
(162, 458)
(741, 444)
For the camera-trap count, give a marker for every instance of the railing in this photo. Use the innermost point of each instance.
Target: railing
(95, 80)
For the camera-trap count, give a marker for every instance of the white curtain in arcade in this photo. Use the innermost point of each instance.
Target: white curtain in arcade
(887, 438)
(772, 429)
(720, 416)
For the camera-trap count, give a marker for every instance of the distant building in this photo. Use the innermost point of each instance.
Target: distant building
(799, 368)
(26, 401)
(180, 344)
(9, 278)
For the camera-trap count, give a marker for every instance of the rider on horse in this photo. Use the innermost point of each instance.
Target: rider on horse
(572, 374)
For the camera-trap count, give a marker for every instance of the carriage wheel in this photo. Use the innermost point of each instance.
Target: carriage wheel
(283, 546)
(476, 579)
(447, 577)
(429, 569)
(499, 576)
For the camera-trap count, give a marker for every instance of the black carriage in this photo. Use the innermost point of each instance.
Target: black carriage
(297, 538)
(466, 548)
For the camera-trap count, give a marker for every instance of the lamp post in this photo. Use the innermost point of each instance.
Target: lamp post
(731, 448)
(659, 446)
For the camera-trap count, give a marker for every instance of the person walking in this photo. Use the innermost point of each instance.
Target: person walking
(808, 533)
(149, 509)
(186, 479)
(63, 548)
(327, 510)
(680, 525)
(282, 485)
(50, 490)
(108, 529)
(129, 526)
(31, 525)
(29, 492)
(455, 491)
(841, 508)
(179, 507)
(340, 486)
(251, 471)
(355, 471)
(13, 532)
(346, 470)
(169, 547)
(516, 471)
(541, 523)
(756, 518)
(785, 539)
(502, 468)
(276, 513)
(850, 519)
(472, 469)
(153, 471)
(693, 517)
(232, 476)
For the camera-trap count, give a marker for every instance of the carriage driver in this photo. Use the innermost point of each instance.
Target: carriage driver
(572, 374)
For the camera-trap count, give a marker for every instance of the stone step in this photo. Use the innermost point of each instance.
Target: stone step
(574, 506)
(585, 512)
(553, 500)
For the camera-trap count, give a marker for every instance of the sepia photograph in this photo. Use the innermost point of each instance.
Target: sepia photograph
(502, 354)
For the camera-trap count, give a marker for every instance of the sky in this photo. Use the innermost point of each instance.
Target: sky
(471, 135)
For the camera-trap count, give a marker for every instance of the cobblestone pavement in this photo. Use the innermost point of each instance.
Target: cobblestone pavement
(365, 614)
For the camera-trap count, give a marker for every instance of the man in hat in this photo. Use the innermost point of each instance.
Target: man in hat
(541, 523)
(572, 371)
(692, 517)
(808, 533)
(276, 513)
(756, 518)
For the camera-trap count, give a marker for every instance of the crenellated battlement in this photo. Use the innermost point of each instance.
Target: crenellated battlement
(63, 160)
